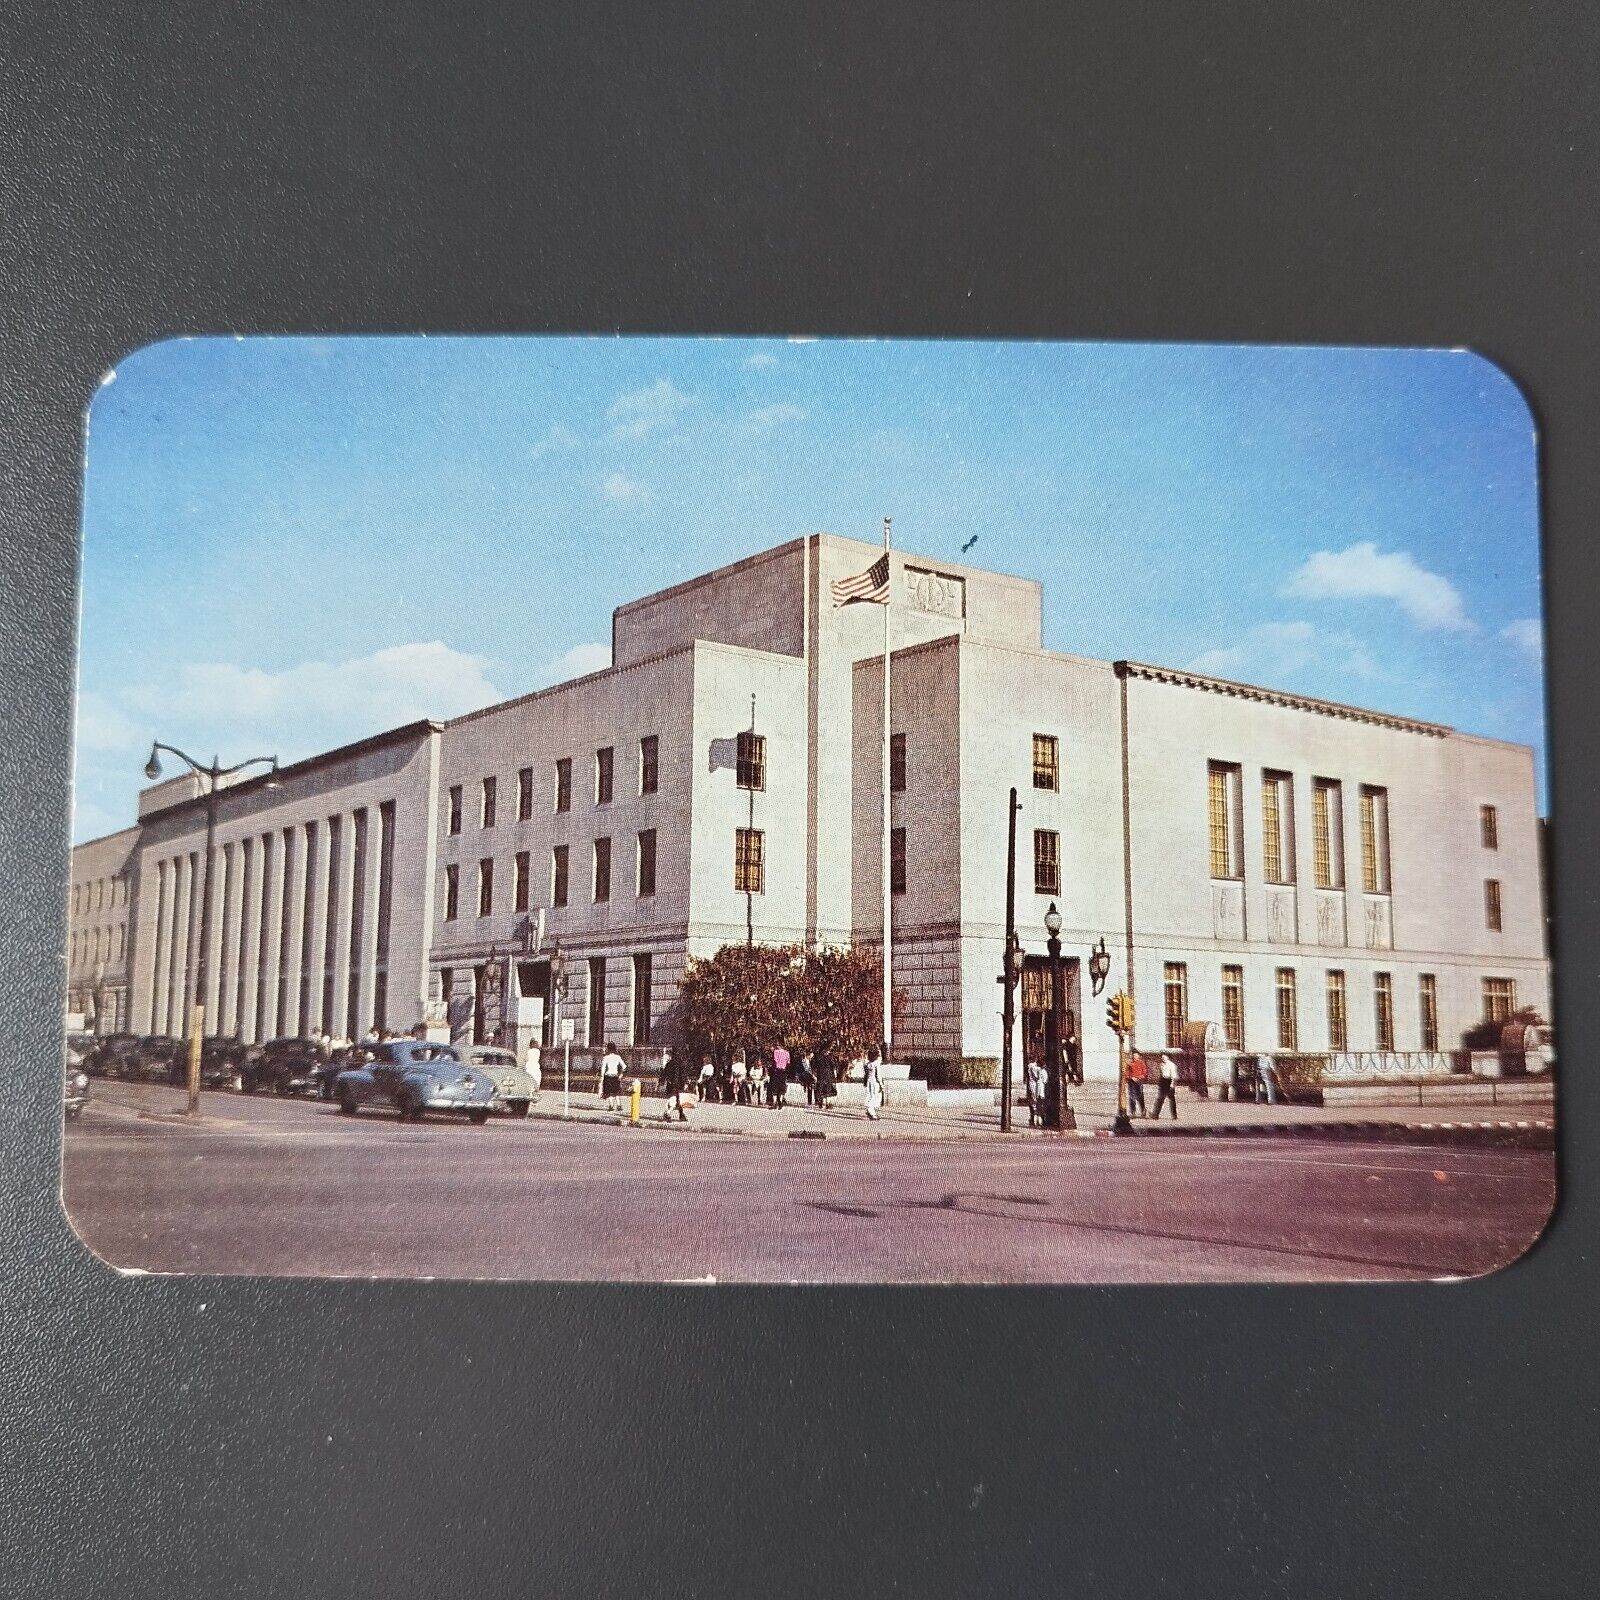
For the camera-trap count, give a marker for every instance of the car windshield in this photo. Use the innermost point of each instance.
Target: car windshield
(492, 1058)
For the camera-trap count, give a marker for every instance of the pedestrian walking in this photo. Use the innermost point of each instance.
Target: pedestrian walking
(823, 1070)
(1267, 1078)
(673, 1076)
(741, 1082)
(707, 1080)
(872, 1082)
(532, 1064)
(758, 1082)
(611, 1068)
(808, 1076)
(1167, 1089)
(778, 1082)
(1138, 1076)
(1033, 1087)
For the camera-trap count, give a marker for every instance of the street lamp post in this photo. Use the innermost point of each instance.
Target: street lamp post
(1012, 965)
(213, 773)
(1057, 1113)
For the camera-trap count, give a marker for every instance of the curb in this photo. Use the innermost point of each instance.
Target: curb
(1535, 1133)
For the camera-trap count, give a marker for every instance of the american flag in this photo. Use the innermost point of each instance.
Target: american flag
(871, 585)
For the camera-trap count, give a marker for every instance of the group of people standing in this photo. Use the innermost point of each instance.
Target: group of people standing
(759, 1078)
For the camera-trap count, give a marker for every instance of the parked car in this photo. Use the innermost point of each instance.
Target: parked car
(415, 1078)
(326, 1072)
(114, 1056)
(161, 1060)
(283, 1066)
(75, 1093)
(514, 1090)
(222, 1063)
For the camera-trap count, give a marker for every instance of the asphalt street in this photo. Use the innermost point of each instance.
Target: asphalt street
(292, 1188)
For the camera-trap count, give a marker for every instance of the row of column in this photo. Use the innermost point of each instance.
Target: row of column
(299, 931)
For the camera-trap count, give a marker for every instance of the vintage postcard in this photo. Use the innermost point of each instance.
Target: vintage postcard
(798, 810)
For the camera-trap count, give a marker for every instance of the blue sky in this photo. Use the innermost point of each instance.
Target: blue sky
(293, 542)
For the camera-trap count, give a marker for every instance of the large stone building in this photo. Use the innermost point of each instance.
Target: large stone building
(1306, 876)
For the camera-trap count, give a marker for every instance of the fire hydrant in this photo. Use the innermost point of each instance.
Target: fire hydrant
(635, 1095)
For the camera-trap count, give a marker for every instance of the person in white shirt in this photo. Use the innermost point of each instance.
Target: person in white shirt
(533, 1064)
(611, 1066)
(872, 1081)
(1167, 1088)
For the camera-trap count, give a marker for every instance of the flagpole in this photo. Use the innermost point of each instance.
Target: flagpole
(888, 941)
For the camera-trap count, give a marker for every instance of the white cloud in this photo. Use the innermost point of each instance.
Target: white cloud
(322, 699)
(624, 491)
(556, 438)
(577, 662)
(1272, 653)
(765, 418)
(1363, 572)
(103, 726)
(760, 359)
(1527, 634)
(643, 411)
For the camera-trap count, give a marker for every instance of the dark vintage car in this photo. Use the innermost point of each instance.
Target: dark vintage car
(282, 1066)
(114, 1056)
(223, 1063)
(415, 1078)
(161, 1060)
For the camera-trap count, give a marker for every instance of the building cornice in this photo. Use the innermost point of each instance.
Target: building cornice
(1278, 697)
(411, 732)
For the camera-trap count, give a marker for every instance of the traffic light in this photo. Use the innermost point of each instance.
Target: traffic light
(1119, 1013)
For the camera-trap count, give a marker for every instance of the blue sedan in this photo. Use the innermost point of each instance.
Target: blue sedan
(415, 1078)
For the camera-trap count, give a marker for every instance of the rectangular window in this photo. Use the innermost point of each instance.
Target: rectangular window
(486, 886)
(1046, 861)
(1499, 999)
(649, 764)
(1175, 1001)
(1223, 789)
(453, 824)
(487, 810)
(751, 760)
(897, 763)
(897, 861)
(558, 875)
(1233, 1007)
(1489, 825)
(604, 761)
(749, 861)
(524, 794)
(1327, 832)
(1046, 761)
(1288, 1010)
(641, 999)
(1277, 827)
(1338, 1013)
(647, 861)
(1383, 1008)
(597, 1000)
(1491, 904)
(564, 784)
(1428, 1004)
(1374, 840)
(602, 870)
(519, 882)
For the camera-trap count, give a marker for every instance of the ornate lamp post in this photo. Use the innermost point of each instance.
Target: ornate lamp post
(213, 773)
(1057, 1114)
(1099, 966)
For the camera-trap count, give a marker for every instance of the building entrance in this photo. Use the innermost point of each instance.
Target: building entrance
(533, 982)
(1036, 1006)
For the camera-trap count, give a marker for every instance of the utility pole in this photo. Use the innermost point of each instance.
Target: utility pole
(1010, 966)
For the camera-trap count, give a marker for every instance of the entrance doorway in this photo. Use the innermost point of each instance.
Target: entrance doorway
(533, 983)
(1036, 1007)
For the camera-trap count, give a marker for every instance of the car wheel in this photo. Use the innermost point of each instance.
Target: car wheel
(347, 1102)
(411, 1109)
(477, 1118)
(520, 1108)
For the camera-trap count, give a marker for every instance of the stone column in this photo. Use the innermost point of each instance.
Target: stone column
(316, 916)
(340, 915)
(297, 887)
(367, 956)
(178, 945)
(272, 876)
(252, 899)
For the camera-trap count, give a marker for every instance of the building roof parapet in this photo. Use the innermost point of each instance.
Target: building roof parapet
(295, 769)
(1278, 697)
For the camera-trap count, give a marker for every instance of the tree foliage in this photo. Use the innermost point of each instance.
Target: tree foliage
(756, 997)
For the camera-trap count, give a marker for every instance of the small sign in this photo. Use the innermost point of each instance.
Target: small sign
(569, 1030)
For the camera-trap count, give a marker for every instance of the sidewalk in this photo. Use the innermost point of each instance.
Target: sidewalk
(1094, 1107)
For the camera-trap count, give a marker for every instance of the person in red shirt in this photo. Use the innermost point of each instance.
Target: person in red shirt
(1138, 1076)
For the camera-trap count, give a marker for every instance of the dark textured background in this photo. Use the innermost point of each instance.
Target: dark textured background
(1345, 172)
